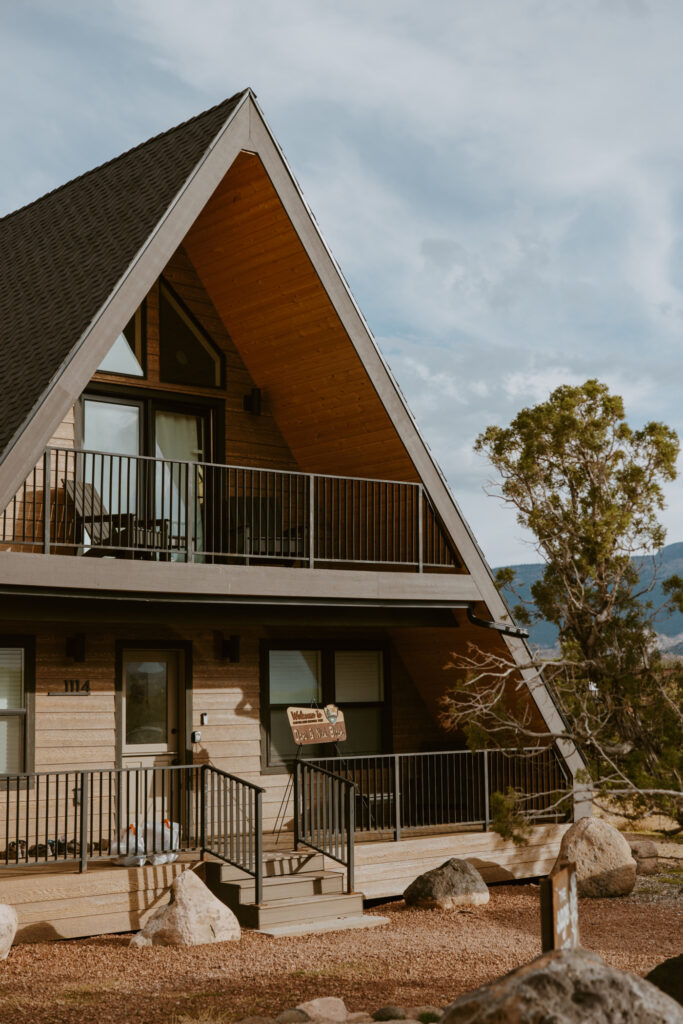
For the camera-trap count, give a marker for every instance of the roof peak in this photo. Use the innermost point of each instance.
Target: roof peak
(229, 102)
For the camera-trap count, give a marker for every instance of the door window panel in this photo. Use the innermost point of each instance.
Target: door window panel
(109, 484)
(147, 697)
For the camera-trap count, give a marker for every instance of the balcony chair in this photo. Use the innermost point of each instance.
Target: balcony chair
(124, 534)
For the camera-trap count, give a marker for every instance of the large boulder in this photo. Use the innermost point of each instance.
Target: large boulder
(669, 977)
(566, 987)
(604, 865)
(455, 884)
(8, 929)
(644, 853)
(192, 918)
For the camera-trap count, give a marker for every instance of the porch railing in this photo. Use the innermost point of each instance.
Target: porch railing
(95, 503)
(324, 814)
(397, 793)
(80, 816)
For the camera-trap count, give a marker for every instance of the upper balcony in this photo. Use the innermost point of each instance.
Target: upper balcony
(99, 504)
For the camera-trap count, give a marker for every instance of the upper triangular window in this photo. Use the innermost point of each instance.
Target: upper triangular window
(126, 356)
(187, 355)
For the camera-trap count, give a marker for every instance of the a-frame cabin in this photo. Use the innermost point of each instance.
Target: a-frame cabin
(218, 506)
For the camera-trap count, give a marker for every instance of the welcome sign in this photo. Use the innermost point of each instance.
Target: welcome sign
(317, 725)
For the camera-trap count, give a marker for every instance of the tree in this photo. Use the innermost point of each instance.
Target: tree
(589, 487)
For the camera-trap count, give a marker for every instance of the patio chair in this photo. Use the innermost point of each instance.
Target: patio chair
(256, 527)
(122, 533)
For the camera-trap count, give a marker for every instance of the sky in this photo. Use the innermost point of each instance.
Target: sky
(501, 182)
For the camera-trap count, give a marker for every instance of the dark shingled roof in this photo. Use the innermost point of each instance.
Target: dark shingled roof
(63, 254)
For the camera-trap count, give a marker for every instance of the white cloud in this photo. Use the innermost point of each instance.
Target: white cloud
(501, 183)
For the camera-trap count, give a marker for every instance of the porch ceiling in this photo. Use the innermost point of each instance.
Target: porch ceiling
(272, 302)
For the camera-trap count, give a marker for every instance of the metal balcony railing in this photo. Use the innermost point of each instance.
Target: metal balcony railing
(96, 503)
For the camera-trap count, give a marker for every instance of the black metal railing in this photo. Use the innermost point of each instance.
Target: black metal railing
(396, 793)
(324, 814)
(130, 814)
(95, 503)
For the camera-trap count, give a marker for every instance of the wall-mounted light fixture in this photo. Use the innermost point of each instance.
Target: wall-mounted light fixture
(228, 647)
(75, 647)
(252, 402)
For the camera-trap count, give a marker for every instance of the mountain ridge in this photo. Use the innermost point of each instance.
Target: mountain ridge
(669, 561)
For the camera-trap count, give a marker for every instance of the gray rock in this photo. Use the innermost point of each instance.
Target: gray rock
(389, 1013)
(669, 977)
(604, 865)
(292, 1017)
(192, 918)
(455, 884)
(9, 922)
(644, 853)
(566, 987)
(325, 1010)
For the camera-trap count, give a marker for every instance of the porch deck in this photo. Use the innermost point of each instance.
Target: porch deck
(56, 901)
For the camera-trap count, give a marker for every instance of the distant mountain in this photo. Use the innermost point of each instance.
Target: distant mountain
(669, 629)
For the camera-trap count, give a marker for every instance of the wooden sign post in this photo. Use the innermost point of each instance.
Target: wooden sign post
(317, 725)
(560, 909)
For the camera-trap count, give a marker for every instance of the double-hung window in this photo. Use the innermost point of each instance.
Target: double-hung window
(314, 675)
(16, 667)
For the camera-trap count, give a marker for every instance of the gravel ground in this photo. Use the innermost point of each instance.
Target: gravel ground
(420, 957)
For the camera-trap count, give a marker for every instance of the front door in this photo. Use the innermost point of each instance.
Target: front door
(151, 720)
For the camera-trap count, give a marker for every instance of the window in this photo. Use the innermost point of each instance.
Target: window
(126, 356)
(186, 353)
(352, 678)
(16, 665)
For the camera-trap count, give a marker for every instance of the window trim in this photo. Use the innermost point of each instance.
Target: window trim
(28, 643)
(327, 650)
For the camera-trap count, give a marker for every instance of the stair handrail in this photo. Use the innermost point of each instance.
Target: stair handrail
(336, 835)
(243, 849)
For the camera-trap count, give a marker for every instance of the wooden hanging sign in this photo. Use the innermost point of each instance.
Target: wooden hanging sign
(560, 909)
(317, 725)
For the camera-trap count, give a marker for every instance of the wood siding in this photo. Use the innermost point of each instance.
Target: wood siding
(289, 334)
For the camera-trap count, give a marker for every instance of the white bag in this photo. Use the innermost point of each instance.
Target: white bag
(162, 840)
(129, 851)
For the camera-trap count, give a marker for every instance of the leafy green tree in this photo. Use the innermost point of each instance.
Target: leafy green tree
(589, 487)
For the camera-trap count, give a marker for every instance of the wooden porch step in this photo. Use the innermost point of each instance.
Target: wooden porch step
(290, 897)
(303, 910)
(276, 865)
(309, 883)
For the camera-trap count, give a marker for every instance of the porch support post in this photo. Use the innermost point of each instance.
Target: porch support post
(202, 819)
(351, 826)
(85, 801)
(47, 501)
(258, 848)
(420, 527)
(487, 812)
(297, 790)
(397, 798)
(311, 521)
(190, 511)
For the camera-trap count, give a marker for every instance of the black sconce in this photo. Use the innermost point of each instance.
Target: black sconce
(75, 647)
(252, 402)
(228, 647)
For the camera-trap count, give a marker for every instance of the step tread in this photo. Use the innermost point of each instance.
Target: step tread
(275, 880)
(323, 897)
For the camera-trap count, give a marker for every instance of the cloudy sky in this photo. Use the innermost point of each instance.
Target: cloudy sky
(501, 182)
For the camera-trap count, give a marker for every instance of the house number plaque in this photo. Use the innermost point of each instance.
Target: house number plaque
(72, 688)
(317, 725)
